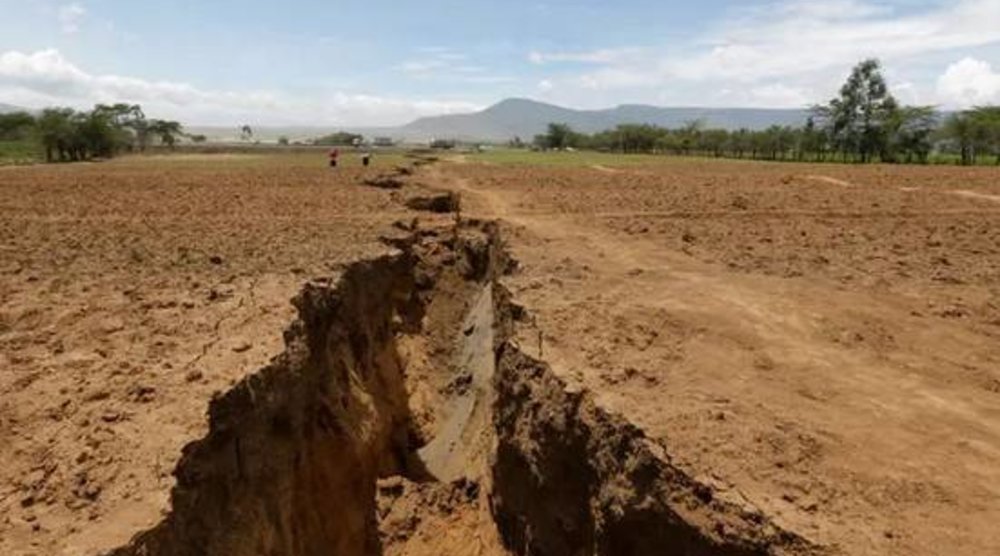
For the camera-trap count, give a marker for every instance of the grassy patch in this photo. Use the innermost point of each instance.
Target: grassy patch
(19, 152)
(593, 158)
(579, 158)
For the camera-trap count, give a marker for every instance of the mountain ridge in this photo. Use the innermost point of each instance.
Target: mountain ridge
(524, 118)
(10, 108)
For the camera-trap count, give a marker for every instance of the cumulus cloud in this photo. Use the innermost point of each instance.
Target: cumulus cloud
(969, 82)
(782, 53)
(46, 77)
(70, 17)
(778, 95)
(805, 37)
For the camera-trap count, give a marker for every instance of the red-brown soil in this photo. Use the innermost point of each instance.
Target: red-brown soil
(133, 291)
(711, 357)
(821, 342)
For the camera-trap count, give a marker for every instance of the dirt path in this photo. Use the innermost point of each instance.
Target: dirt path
(839, 412)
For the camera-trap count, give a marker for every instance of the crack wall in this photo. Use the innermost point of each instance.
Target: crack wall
(402, 419)
(570, 478)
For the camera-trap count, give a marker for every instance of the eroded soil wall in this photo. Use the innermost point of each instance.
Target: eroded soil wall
(394, 357)
(294, 451)
(569, 478)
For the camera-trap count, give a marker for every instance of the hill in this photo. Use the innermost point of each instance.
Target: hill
(8, 108)
(525, 118)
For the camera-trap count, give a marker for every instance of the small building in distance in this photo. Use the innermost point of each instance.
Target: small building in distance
(443, 144)
(383, 142)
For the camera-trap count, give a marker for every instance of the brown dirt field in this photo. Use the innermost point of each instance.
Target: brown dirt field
(132, 292)
(690, 356)
(827, 350)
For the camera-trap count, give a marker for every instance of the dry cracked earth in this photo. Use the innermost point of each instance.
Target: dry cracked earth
(677, 357)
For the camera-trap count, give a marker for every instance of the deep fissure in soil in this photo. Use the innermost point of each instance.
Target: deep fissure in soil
(400, 399)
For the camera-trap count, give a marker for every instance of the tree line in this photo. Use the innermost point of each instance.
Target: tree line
(863, 123)
(66, 134)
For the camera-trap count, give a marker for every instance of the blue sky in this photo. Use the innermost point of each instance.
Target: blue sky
(380, 62)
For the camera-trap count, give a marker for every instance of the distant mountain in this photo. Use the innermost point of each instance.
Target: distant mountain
(525, 118)
(8, 108)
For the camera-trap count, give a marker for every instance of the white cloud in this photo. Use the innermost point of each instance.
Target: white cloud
(422, 67)
(545, 85)
(70, 17)
(441, 63)
(778, 95)
(969, 82)
(46, 77)
(807, 37)
(599, 56)
(783, 53)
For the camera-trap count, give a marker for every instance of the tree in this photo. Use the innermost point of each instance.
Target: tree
(689, 134)
(559, 136)
(283, 141)
(339, 138)
(69, 135)
(96, 135)
(166, 130)
(812, 140)
(987, 129)
(909, 134)
(126, 124)
(974, 132)
(246, 133)
(55, 130)
(713, 141)
(16, 126)
(858, 118)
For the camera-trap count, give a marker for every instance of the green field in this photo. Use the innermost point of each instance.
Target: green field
(19, 152)
(593, 158)
(568, 158)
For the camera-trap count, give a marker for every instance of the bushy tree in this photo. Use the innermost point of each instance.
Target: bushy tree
(68, 135)
(858, 120)
(864, 123)
(16, 126)
(339, 138)
(910, 131)
(974, 133)
(167, 131)
(559, 136)
(56, 128)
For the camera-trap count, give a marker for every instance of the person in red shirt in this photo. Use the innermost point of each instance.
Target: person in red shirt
(334, 153)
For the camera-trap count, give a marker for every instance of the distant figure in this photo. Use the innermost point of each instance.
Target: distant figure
(334, 153)
(366, 158)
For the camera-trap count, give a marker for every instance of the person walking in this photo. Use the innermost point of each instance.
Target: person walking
(334, 154)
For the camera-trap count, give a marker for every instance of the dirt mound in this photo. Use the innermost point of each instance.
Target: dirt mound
(439, 202)
(384, 182)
